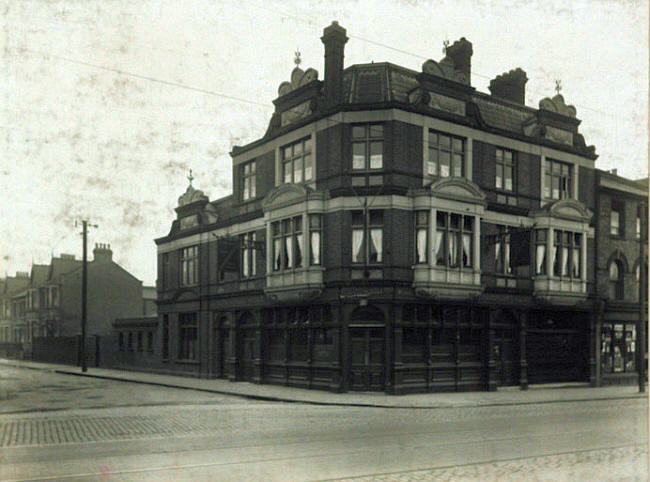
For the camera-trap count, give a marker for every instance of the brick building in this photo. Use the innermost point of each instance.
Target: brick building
(393, 230)
(620, 228)
(46, 302)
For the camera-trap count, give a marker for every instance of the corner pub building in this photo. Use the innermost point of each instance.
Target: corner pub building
(393, 230)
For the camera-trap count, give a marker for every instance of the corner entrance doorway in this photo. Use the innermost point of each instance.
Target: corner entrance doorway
(367, 346)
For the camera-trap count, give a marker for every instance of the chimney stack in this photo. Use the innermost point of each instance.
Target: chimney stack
(334, 39)
(460, 54)
(510, 86)
(102, 253)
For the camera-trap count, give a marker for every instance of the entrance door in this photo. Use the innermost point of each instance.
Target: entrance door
(366, 359)
(505, 348)
(247, 353)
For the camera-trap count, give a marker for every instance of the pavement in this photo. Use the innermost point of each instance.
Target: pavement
(536, 394)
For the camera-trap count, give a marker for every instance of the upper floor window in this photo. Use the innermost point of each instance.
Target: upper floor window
(638, 226)
(567, 249)
(557, 180)
(367, 147)
(421, 236)
(297, 162)
(367, 236)
(446, 155)
(454, 235)
(505, 167)
(248, 255)
(616, 220)
(315, 228)
(248, 180)
(616, 286)
(540, 251)
(288, 243)
(189, 265)
(502, 261)
(165, 271)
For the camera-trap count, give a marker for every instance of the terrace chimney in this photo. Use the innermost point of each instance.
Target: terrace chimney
(510, 86)
(334, 39)
(102, 253)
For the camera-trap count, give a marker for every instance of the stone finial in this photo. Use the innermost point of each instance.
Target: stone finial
(298, 79)
(557, 105)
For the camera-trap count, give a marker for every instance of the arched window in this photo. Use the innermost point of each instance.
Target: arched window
(617, 291)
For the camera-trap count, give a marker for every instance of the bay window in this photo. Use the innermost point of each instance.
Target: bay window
(421, 236)
(315, 227)
(566, 254)
(454, 240)
(367, 236)
(540, 251)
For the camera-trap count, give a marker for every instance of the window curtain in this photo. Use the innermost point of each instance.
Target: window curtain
(245, 262)
(439, 249)
(453, 249)
(540, 259)
(576, 262)
(422, 245)
(506, 257)
(315, 247)
(299, 249)
(277, 248)
(376, 245)
(467, 250)
(288, 252)
(357, 244)
(556, 261)
(565, 261)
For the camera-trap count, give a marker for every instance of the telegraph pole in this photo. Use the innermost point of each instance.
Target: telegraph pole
(640, 331)
(84, 292)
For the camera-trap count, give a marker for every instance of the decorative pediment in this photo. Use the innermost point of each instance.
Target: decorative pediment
(565, 209)
(445, 70)
(459, 189)
(557, 105)
(191, 195)
(298, 79)
(284, 195)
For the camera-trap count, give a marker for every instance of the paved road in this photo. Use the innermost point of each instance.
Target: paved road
(231, 439)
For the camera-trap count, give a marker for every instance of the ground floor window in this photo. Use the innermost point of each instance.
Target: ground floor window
(188, 337)
(618, 347)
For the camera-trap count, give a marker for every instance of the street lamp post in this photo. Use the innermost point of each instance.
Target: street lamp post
(84, 292)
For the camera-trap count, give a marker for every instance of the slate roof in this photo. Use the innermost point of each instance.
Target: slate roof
(39, 274)
(61, 266)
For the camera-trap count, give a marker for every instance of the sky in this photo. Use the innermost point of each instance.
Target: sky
(106, 105)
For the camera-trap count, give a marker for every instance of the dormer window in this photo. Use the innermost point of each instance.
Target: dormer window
(248, 180)
(297, 163)
(446, 155)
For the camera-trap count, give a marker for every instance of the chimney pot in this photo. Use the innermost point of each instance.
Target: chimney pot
(460, 54)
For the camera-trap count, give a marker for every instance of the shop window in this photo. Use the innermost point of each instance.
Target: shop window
(299, 344)
(187, 337)
(150, 341)
(367, 236)
(616, 286)
(120, 341)
(454, 240)
(297, 162)
(413, 345)
(130, 342)
(618, 347)
(276, 347)
(446, 155)
(140, 345)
